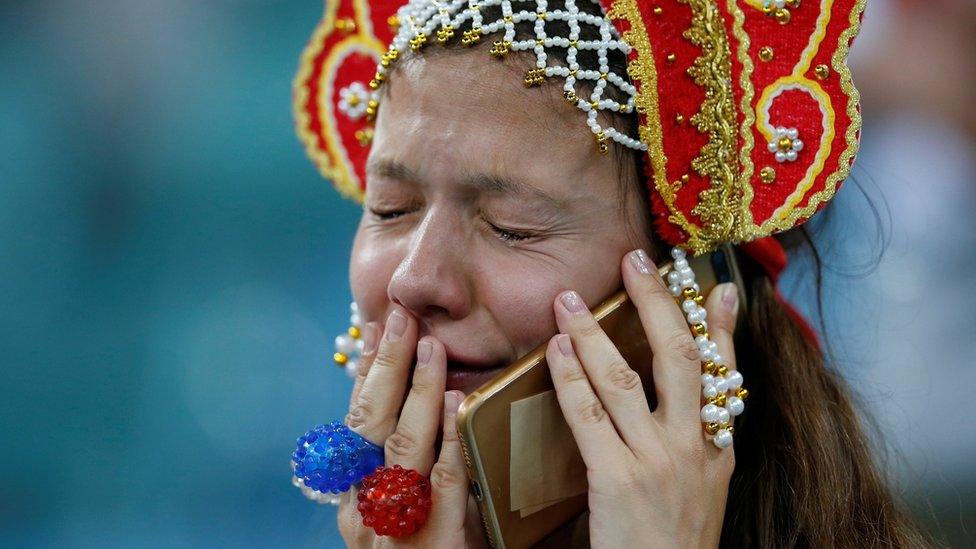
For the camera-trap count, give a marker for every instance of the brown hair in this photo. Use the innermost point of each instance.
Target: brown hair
(805, 472)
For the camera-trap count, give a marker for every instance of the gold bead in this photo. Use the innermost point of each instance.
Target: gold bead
(767, 175)
(355, 332)
(783, 16)
(685, 178)
(709, 367)
(471, 37)
(371, 109)
(679, 119)
(720, 399)
(345, 25)
(699, 299)
(672, 58)
(500, 48)
(535, 77)
(601, 142)
(571, 97)
(445, 34)
(689, 293)
(365, 137)
(353, 100)
(742, 393)
(784, 143)
(658, 10)
(730, 429)
(393, 21)
(793, 3)
(340, 358)
(711, 428)
(822, 72)
(540, 15)
(699, 329)
(723, 370)
(766, 54)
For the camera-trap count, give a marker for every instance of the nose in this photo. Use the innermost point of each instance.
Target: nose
(431, 278)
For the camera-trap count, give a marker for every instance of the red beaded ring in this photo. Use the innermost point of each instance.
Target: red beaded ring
(394, 501)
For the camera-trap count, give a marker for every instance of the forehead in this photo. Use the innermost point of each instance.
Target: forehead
(461, 110)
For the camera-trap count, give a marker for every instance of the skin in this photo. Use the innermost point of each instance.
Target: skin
(487, 210)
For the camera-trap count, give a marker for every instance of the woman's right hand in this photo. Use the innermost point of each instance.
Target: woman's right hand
(407, 427)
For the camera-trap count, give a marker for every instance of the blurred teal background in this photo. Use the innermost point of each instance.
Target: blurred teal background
(173, 271)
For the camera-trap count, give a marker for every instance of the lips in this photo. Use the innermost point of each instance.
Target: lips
(467, 374)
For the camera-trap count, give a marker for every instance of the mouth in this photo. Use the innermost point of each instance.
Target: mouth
(467, 375)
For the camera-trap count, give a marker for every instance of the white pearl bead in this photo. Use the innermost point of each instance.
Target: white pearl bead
(723, 415)
(702, 341)
(710, 392)
(706, 354)
(695, 317)
(723, 438)
(345, 344)
(360, 343)
(681, 264)
(674, 278)
(688, 306)
(781, 157)
(792, 133)
(351, 369)
(353, 307)
(675, 289)
(717, 358)
(686, 273)
(735, 405)
(356, 320)
(687, 282)
(791, 156)
(772, 147)
(797, 145)
(709, 413)
(721, 384)
(735, 379)
(706, 379)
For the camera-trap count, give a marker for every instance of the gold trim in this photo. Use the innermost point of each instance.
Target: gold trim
(717, 161)
(743, 186)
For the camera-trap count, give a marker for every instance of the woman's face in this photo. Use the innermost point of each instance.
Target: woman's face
(484, 201)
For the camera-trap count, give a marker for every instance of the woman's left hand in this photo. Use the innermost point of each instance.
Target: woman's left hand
(655, 479)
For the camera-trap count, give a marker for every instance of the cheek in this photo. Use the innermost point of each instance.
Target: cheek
(370, 270)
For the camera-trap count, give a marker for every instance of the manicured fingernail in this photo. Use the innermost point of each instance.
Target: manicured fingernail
(641, 261)
(565, 344)
(730, 297)
(396, 324)
(424, 350)
(369, 337)
(573, 302)
(451, 400)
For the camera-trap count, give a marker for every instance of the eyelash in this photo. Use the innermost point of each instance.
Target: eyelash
(506, 235)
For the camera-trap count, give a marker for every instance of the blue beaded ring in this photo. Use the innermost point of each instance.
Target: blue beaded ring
(331, 458)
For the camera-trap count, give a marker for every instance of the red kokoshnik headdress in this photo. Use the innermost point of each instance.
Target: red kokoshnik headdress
(747, 110)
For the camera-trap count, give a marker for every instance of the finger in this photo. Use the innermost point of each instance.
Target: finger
(412, 443)
(587, 418)
(449, 478)
(371, 332)
(374, 414)
(722, 305)
(616, 384)
(676, 365)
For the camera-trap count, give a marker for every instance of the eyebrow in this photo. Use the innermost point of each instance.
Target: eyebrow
(491, 183)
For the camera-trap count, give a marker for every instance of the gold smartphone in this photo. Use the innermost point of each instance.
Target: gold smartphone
(524, 466)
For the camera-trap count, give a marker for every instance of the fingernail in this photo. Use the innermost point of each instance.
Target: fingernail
(640, 260)
(451, 400)
(565, 344)
(369, 337)
(396, 324)
(424, 350)
(730, 297)
(573, 302)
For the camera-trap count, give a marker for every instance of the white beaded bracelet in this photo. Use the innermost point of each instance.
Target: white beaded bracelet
(721, 388)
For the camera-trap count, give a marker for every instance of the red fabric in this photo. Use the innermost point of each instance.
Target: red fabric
(771, 256)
